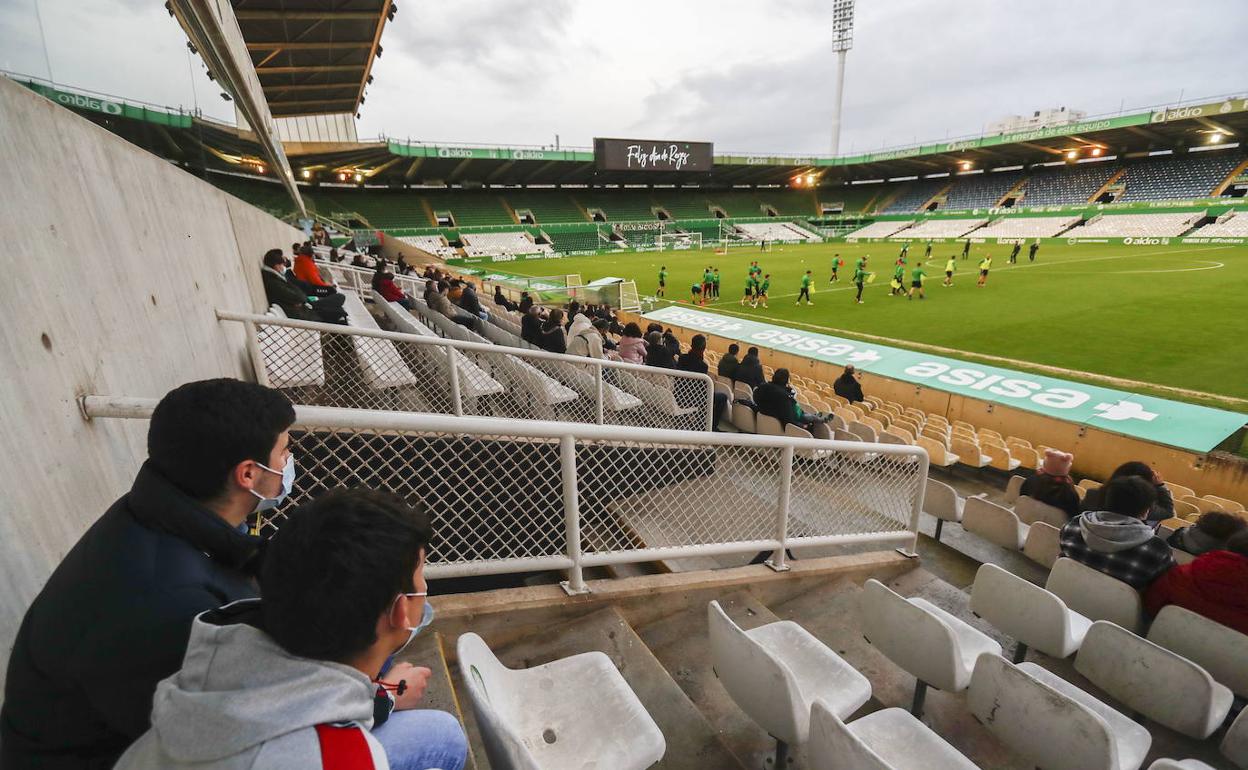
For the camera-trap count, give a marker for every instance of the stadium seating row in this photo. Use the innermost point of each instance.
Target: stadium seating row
(1136, 225)
(1229, 225)
(1027, 227)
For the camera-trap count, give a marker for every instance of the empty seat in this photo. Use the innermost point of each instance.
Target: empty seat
(776, 672)
(1043, 544)
(1030, 510)
(1180, 764)
(936, 452)
(1235, 742)
(1182, 508)
(1026, 456)
(1230, 506)
(994, 523)
(943, 502)
(1089, 484)
(999, 457)
(558, 714)
(1220, 650)
(1163, 686)
(766, 425)
(1050, 722)
(744, 419)
(1013, 489)
(741, 390)
(890, 739)
(969, 452)
(1095, 595)
(938, 648)
(1033, 616)
(864, 432)
(1178, 491)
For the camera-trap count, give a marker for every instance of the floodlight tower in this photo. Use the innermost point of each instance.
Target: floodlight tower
(842, 41)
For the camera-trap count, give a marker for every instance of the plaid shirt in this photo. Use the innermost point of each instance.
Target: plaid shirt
(1137, 567)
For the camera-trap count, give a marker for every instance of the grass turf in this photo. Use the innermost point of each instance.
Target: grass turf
(1169, 314)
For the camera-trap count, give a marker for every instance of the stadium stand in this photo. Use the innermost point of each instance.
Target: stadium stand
(882, 229)
(1135, 225)
(1066, 185)
(684, 204)
(433, 244)
(575, 240)
(1229, 225)
(1026, 227)
(941, 228)
(853, 198)
(471, 208)
(737, 203)
(979, 191)
(498, 244)
(547, 206)
(1191, 175)
(914, 194)
(622, 205)
(776, 231)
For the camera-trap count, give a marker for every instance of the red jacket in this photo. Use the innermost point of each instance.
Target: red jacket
(1214, 584)
(389, 291)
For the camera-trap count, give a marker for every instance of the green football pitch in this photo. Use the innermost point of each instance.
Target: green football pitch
(1161, 314)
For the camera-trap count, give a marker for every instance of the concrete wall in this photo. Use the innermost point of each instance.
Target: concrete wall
(1097, 452)
(113, 263)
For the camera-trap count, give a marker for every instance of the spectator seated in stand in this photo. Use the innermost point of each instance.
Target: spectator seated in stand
(658, 354)
(847, 386)
(776, 399)
(293, 680)
(750, 370)
(1163, 507)
(436, 297)
(1214, 584)
(693, 360)
(673, 344)
(1209, 533)
(1117, 540)
(553, 337)
(502, 301)
(307, 272)
(469, 303)
(584, 339)
(113, 619)
(526, 302)
(383, 284)
(290, 296)
(728, 364)
(1052, 484)
(609, 345)
(531, 326)
(632, 347)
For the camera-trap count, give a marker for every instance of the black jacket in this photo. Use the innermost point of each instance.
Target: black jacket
(112, 621)
(776, 401)
(468, 301)
(727, 366)
(531, 329)
(660, 356)
(1055, 492)
(749, 371)
(848, 388)
(287, 296)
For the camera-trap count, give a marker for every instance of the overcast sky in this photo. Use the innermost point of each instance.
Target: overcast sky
(750, 75)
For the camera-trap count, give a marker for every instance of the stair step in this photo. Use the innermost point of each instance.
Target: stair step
(440, 694)
(692, 743)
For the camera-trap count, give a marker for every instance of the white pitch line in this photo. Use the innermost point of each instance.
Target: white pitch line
(1211, 266)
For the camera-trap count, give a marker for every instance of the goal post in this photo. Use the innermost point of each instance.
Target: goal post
(679, 241)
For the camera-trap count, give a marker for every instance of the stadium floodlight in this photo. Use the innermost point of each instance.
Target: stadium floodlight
(1096, 152)
(307, 173)
(1215, 137)
(359, 177)
(842, 41)
(1072, 154)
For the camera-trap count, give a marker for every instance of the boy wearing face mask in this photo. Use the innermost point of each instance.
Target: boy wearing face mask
(114, 617)
(289, 682)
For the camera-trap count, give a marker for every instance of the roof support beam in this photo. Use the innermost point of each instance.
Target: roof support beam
(280, 106)
(386, 11)
(325, 45)
(310, 87)
(305, 15)
(310, 68)
(412, 169)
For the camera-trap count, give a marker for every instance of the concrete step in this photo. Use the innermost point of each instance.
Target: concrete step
(440, 694)
(692, 743)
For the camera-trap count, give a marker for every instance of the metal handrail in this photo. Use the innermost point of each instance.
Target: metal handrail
(314, 418)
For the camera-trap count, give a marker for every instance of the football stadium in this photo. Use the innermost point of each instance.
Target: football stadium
(336, 452)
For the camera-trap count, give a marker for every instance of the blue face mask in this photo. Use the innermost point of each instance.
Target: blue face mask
(288, 483)
(426, 617)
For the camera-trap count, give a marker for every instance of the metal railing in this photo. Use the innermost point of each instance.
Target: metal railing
(511, 496)
(352, 367)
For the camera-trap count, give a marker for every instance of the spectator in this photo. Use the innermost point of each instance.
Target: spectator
(776, 399)
(501, 300)
(531, 327)
(847, 385)
(1052, 484)
(1214, 584)
(574, 307)
(750, 370)
(436, 298)
(526, 302)
(335, 257)
(658, 354)
(307, 271)
(728, 363)
(632, 346)
(286, 294)
(673, 344)
(1116, 540)
(455, 290)
(688, 391)
(383, 284)
(554, 338)
(358, 260)
(114, 617)
(583, 338)
(1162, 509)
(274, 683)
(468, 301)
(603, 326)
(1209, 533)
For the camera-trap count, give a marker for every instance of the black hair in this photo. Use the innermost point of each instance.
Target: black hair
(632, 329)
(1134, 468)
(1129, 496)
(780, 377)
(200, 431)
(752, 352)
(1238, 542)
(697, 343)
(335, 567)
(1220, 525)
(734, 348)
(274, 257)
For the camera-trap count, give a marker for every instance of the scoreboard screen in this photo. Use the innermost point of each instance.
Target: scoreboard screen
(652, 155)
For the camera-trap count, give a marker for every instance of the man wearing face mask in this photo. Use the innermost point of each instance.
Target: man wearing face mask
(114, 618)
(289, 682)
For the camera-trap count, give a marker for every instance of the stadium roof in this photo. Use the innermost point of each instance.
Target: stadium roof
(313, 56)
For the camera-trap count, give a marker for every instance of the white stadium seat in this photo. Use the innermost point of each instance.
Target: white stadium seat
(1220, 650)
(1030, 511)
(995, 523)
(890, 739)
(1235, 742)
(1036, 714)
(942, 502)
(1013, 488)
(1033, 616)
(1043, 544)
(1095, 595)
(1180, 764)
(556, 715)
(1165, 687)
(777, 671)
(938, 648)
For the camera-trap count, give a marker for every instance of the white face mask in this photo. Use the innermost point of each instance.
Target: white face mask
(426, 617)
(288, 482)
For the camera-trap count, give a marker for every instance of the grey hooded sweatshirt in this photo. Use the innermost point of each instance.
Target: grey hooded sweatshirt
(1112, 532)
(241, 702)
